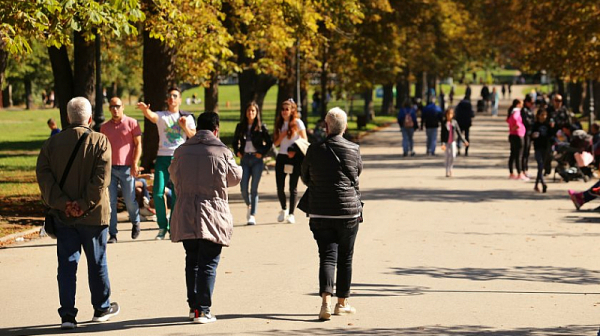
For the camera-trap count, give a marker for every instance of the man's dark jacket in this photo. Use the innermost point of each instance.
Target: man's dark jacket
(330, 191)
(464, 114)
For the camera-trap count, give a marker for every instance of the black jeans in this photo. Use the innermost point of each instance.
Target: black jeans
(280, 162)
(516, 152)
(540, 157)
(526, 152)
(201, 261)
(335, 238)
(459, 143)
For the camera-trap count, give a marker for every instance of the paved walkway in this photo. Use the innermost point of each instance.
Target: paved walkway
(476, 254)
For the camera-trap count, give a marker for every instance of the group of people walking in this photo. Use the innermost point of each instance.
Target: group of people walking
(201, 169)
(454, 123)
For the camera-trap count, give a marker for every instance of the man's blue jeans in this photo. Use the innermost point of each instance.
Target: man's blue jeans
(122, 174)
(252, 167)
(201, 261)
(407, 140)
(69, 241)
(431, 139)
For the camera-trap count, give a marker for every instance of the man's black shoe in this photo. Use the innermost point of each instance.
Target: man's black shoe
(135, 231)
(101, 316)
(68, 322)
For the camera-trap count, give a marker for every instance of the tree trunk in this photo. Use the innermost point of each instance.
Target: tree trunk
(323, 102)
(561, 87)
(211, 94)
(83, 68)
(158, 75)
(254, 87)
(368, 108)
(402, 88)
(576, 98)
(3, 64)
(430, 86)
(419, 85)
(387, 106)
(63, 80)
(28, 95)
(287, 86)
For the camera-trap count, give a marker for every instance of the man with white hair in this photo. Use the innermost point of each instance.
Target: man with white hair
(330, 170)
(80, 206)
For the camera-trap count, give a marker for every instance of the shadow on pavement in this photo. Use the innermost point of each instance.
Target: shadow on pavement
(89, 327)
(387, 290)
(462, 330)
(549, 274)
(432, 195)
(144, 326)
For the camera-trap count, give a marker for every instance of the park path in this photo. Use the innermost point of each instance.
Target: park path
(476, 254)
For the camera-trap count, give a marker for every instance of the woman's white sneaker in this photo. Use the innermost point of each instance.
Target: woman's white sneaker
(291, 219)
(283, 214)
(343, 310)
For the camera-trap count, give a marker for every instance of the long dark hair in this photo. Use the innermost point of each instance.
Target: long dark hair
(256, 124)
(539, 113)
(292, 124)
(514, 104)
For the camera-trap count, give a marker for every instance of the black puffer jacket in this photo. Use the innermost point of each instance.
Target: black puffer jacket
(331, 191)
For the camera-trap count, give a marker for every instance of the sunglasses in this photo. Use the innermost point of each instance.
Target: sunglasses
(114, 107)
(174, 96)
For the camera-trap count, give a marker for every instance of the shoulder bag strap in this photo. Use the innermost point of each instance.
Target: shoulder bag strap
(344, 168)
(72, 158)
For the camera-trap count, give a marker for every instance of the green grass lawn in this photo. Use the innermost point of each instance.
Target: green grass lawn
(23, 132)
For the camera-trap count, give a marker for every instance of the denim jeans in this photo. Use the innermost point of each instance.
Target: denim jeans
(252, 167)
(122, 174)
(407, 139)
(335, 238)
(201, 261)
(161, 178)
(69, 241)
(144, 183)
(431, 139)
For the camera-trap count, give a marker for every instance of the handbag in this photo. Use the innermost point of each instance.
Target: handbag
(50, 223)
(303, 203)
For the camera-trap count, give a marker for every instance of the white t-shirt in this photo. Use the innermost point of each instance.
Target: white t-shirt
(170, 134)
(286, 143)
(249, 148)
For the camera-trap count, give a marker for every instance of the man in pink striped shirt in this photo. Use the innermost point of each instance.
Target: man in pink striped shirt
(125, 138)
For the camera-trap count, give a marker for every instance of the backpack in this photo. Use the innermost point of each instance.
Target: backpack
(408, 121)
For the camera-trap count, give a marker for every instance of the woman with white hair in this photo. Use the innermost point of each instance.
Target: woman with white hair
(330, 170)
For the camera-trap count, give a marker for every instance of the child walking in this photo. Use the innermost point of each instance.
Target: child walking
(450, 133)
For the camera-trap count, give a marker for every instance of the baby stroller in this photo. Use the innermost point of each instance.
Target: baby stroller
(572, 158)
